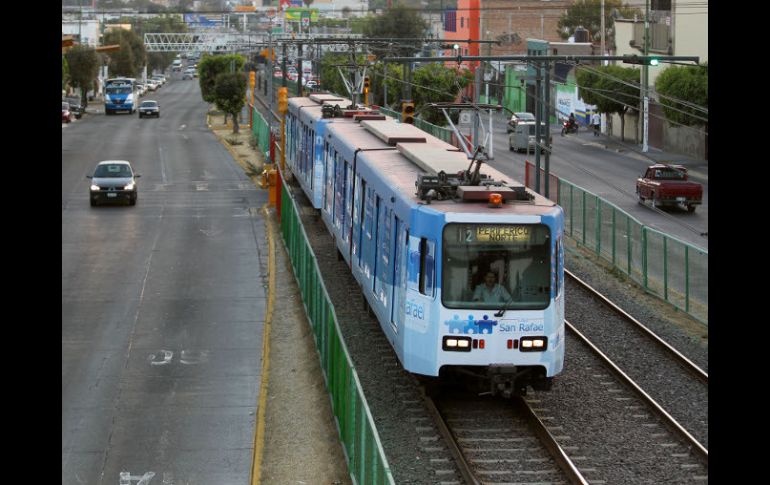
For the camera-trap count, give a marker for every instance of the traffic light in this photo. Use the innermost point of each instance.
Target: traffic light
(252, 79)
(283, 100)
(643, 60)
(366, 90)
(407, 112)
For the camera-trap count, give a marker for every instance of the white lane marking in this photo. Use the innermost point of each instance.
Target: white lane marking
(126, 478)
(162, 165)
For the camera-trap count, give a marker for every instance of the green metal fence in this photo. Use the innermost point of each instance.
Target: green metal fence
(445, 134)
(261, 131)
(666, 266)
(366, 458)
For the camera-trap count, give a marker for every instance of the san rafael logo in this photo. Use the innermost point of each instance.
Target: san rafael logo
(471, 325)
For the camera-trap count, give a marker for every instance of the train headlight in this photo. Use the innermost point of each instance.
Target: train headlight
(456, 344)
(534, 344)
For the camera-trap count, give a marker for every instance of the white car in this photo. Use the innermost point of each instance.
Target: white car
(160, 78)
(152, 85)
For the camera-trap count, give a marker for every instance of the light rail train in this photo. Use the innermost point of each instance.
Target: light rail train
(463, 267)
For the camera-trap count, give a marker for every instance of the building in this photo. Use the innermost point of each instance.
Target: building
(511, 22)
(86, 31)
(677, 28)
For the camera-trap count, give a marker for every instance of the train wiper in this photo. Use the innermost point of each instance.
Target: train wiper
(501, 311)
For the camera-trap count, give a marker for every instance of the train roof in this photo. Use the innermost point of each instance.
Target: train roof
(416, 153)
(310, 109)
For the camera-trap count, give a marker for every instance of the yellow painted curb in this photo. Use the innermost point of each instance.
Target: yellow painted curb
(259, 436)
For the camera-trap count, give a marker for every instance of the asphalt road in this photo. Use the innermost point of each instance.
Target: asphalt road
(162, 303)
(596, 165)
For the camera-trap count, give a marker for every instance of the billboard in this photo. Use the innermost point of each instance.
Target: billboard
(198, 20)
(295, 14)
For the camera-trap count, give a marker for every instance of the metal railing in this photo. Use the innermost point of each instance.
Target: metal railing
(664, 265)
(361, 443)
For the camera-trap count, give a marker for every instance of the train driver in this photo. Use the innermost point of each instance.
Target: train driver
(491, 291)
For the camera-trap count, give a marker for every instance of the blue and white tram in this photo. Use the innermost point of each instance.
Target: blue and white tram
(422, 255)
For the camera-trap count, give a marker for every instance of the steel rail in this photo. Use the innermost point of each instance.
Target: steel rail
(557, 452)
(679, 357)
(451, 441)
(667, 418)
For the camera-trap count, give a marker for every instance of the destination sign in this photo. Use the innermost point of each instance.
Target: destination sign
(502, 233)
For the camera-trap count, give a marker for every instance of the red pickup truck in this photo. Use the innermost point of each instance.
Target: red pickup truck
(667, 185)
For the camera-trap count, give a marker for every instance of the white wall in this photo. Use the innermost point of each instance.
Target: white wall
(691, 28)
(88, 29)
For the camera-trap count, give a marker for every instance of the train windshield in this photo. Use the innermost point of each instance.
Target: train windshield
(118, 90)
(491, 266)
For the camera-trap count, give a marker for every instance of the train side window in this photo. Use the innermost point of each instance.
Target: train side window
(376, 230)
(347, 222)
(427, 266)
(557, 250)
(368, 210)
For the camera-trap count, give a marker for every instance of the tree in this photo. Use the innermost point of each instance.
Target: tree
(436, 83)
(161, 24)
(613, 89)
(131, 58)
(230, 94)
(209, 67)
(587, 14)
(83, 67)
(397, 22)
(688, 84)
(65, 72)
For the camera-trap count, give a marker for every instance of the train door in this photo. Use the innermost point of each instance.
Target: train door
(328, 186)
(347, 216)
(357, 216)
(375, 231)
(384, 244)
(399, 275)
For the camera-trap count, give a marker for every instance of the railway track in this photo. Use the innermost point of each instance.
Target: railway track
(594, 418)
(663, 376)
(495, 441)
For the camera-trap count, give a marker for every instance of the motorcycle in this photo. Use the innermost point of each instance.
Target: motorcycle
(568, 127)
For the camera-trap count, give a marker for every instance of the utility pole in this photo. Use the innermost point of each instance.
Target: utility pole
(538, 119)
(602, 43)
(270, 65)
(645, 75)
(476, 100)
(547, 109)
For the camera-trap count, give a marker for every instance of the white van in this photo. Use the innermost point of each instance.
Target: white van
(176, 65)
(523, 137)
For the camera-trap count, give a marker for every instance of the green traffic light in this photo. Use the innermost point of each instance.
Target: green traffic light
(654, 61)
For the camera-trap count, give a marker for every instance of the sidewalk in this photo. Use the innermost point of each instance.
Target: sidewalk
(295, 421)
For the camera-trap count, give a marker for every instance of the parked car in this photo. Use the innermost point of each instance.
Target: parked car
(667, 185)
(152, 85)
(516, 118)
(113, 181)
(75, 107)
(160, 78)
(66, 114)
(149, 108)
